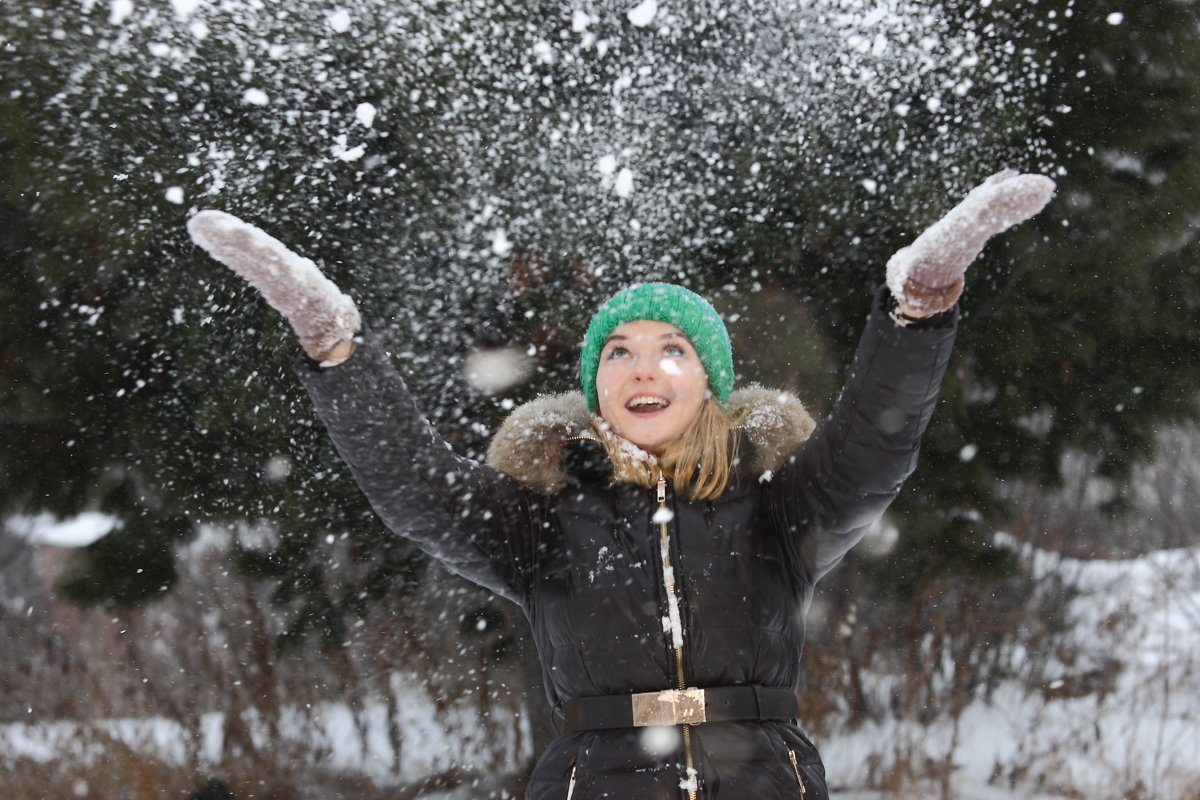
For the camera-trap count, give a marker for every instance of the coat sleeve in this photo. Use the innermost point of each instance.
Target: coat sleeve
(469, 516)
(846, 474)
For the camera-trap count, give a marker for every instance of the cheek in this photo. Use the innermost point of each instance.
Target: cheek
(607, 389)
(604, 382)
(698, 383)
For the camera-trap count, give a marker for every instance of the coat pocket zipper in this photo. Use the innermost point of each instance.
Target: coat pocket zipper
(796, 769)
(571, 782)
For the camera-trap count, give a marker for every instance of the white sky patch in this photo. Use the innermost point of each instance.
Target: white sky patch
(643, 13)
(255, 97)
(365, 114)
(339, 21)
(494, 370)
(500, 243)
(174, 194)
(623, 186)
(119, 11)
(78, 531)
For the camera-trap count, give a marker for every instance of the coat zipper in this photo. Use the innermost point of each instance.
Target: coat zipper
(676, 627)
(571, 783)
(796, 769)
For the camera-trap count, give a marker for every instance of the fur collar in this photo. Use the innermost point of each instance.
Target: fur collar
(531, 445)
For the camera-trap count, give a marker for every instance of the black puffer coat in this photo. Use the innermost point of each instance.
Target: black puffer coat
(585, 560)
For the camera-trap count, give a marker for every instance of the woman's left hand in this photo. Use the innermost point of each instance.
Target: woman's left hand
(927, 276)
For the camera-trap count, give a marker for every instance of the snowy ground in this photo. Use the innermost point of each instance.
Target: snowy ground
(332, 734)
(1136, 734)
(1133, 732)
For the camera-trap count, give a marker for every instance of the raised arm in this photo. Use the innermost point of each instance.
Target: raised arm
(470, 517)
(844, 477)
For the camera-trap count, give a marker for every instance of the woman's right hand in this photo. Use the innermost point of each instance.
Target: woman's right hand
(324, 318)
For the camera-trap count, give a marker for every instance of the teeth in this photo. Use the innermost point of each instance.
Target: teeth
(639, 402)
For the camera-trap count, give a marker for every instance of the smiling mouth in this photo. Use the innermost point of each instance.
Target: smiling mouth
(646, 404)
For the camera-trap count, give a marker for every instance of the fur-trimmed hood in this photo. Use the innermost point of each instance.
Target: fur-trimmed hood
(531, 445)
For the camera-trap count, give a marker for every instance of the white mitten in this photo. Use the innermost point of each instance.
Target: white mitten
(927, 276)
(319, 312)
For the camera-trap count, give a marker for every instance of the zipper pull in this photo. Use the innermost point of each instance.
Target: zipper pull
(571, 785)
(796, 767)
(662, 489)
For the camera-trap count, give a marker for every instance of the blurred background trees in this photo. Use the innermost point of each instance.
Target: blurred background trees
(480, 174)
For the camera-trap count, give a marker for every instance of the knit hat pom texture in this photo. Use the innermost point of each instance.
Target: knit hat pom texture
(661, 302)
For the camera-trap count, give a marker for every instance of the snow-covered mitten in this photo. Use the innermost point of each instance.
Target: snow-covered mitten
(927, 276)
(319, 312)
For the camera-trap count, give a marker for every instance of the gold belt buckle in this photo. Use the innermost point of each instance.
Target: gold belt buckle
(670, 707)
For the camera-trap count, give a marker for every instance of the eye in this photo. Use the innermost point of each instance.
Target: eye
(616, 351)
(674, 350)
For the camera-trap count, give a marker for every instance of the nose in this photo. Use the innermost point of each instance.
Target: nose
(646, 369)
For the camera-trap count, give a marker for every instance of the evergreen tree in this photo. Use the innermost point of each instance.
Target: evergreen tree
(463, 175)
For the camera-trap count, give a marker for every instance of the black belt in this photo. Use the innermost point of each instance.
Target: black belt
(679, 707)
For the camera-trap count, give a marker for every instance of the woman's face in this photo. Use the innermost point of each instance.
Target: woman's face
(650, 382)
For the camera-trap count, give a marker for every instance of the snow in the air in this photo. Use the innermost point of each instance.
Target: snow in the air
(120, 11)
(343, 152)
(494, 370)
(365, 114)
(670, 366)
(643, 13)
(623, 184)
(255, 97)
(340, 20)
(660, 739)
(500, 243)
(78, 531)
(185, 8)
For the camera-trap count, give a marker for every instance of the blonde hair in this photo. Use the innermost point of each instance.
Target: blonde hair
(697, 462)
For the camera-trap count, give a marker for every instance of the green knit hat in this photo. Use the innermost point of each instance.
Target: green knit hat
(661, 302)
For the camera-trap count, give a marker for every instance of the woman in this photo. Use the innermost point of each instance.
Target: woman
(662, 533)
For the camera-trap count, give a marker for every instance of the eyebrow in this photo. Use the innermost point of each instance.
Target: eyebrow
(617, 337)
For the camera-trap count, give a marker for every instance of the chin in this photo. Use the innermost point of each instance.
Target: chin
(647, 443)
